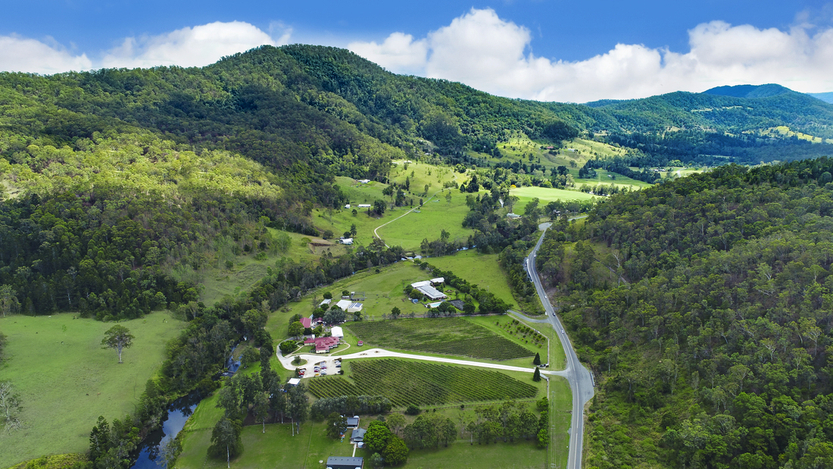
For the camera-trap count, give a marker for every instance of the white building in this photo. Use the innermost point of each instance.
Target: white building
(337, 332)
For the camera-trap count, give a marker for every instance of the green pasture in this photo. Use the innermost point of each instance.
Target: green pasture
(428, 222)
(66, 380)
(248, 269)
(478, 269)
(450, 336)
(545, 195)
(607, 178)
(422, 174)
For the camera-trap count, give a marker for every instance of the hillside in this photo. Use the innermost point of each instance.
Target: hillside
(702, 306)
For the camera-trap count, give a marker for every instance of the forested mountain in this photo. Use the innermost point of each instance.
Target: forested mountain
(742, 124)
(115, 180)
(703, 306)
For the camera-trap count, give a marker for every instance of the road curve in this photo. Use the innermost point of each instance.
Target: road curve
(581, 382)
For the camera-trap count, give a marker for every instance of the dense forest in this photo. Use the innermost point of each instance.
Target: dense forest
(703, 308)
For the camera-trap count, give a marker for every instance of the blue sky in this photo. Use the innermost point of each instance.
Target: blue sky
(540, 49)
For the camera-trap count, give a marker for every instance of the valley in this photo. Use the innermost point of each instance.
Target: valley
(503, 282)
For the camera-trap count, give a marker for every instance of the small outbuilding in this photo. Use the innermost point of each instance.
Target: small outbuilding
(294, 381)
(339, 462)
(358, 436)
(353, 422)
(337, 332)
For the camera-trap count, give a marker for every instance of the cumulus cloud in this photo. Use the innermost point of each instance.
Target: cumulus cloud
(18, 54)
(398, 52)
(486, 52)
(190, 47)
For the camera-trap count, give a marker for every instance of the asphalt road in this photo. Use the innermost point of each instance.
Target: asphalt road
(581, 382)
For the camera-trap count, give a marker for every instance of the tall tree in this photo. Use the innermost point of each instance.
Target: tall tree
(225, 440)
(10, 406)
(8, 300)
(117, 337)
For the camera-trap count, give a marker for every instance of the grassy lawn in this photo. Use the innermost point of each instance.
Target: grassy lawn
(478, 269)
(452, 336)
(561, 404)
(275, 448)
(66, 380)
(461, 454)
(545, 195)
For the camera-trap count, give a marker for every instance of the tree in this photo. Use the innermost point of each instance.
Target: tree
(377, 461)
(169, 450)
(537, 360)
(328, 295)
(287, 346)
(336, 425)
(536, 376)
(117, 337)
(396, 422)
(377, 437)
(260, 409)
(396, 452)
(9, 406)
(395, 312)
(297, 404)
(8, 300)
(225, 440)
(296, 329)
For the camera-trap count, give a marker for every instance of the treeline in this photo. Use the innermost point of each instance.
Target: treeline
(701, 306)
(618, 166)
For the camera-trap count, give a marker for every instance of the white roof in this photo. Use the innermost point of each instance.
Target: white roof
(432, 292)
(347, 241)
(294, 381)
(325, 302)
(344, 304)
(424, 283)
(438, 280)
(337, 331)
(364, 205)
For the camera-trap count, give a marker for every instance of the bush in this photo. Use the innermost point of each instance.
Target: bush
(412, 410)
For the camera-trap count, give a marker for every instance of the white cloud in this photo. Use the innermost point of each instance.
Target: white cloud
(484, 51)
(190, 47)
(398, 52)
(18, 54)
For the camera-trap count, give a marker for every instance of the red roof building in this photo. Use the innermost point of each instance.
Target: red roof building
(323, 344)
(307, 323)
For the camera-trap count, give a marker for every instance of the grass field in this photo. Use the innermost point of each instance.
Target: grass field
(410, 382)
(66, 380)
(247, 270)
(545, 195)
(561, 406)
(478, 269)
(451, 336)
(427, 222)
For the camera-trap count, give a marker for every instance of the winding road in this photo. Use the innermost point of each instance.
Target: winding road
(581, 381)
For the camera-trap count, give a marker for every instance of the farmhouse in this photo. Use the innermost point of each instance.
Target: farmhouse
(425, 287)
(432, 293)
(323, 344)
(349, 306)
(358, 437)
(337, 462)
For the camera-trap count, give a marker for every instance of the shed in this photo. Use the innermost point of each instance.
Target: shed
(358, 435)
(325, 303)
(337, 332)
(437, 281)
(432, 293)
(353, 422)
(347, 241)
(339, 462)
(294, 381)
(344, 304)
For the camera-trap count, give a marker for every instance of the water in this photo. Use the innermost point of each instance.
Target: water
(178, 414)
